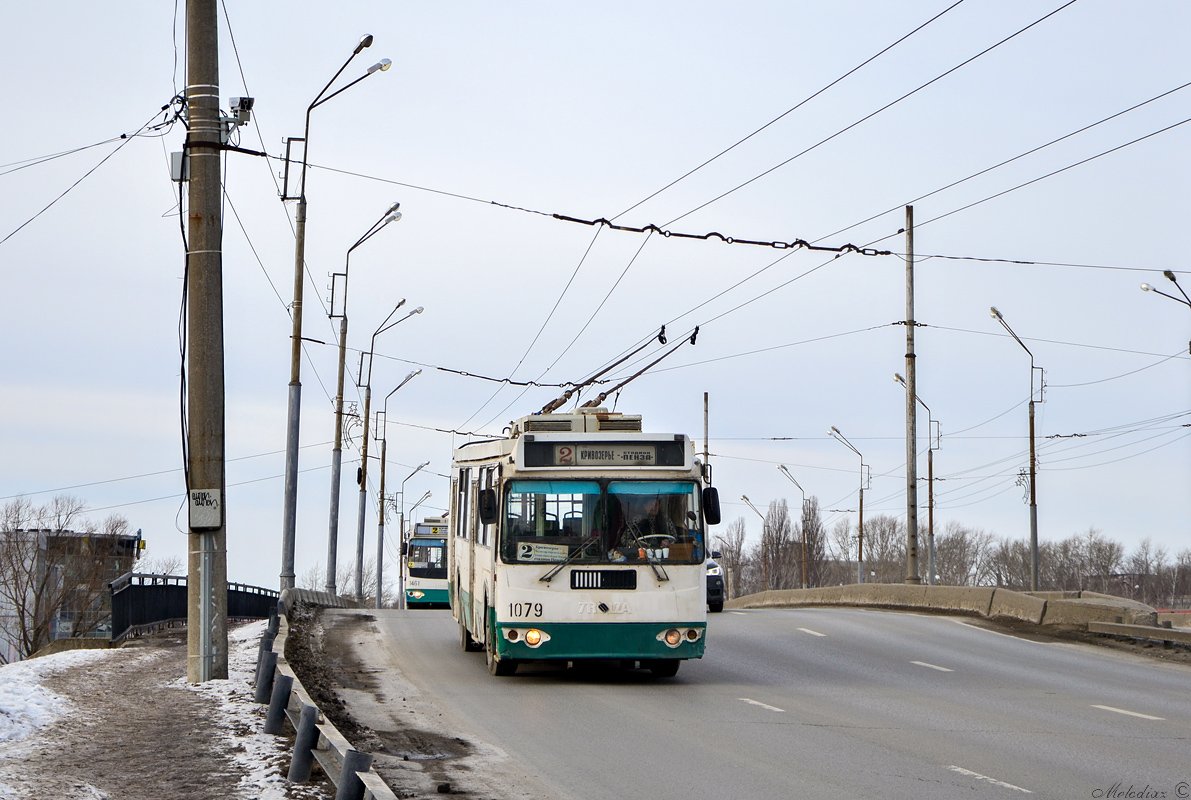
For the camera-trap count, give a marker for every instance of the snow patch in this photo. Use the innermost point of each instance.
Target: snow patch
(26, 705)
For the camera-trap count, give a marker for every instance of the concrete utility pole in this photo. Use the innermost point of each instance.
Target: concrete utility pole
(911, 414)
(206, 637)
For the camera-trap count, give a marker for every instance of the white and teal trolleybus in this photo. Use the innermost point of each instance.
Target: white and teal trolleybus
(424, 566)
(580, 537)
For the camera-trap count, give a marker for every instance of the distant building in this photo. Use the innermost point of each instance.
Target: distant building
(54, 584)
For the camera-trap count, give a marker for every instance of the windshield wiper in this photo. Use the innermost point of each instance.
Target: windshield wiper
(658, 570)
(549, 576)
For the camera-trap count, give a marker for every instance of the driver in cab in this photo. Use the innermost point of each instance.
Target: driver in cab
(648, 527)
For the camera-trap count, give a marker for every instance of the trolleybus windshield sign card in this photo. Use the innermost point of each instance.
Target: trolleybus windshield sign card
(583, 455)
(536, 551)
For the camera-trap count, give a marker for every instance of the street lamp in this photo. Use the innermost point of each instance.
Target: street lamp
(392, 215)
(1033, 461)
(363, 475)
(786, 472)
(382, 424)
(764, 542)
(835, 434)
(930, 480)
(289, 514)
(401, 530)
(1145, 287)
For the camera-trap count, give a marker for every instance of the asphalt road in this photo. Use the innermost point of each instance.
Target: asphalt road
(824, 703)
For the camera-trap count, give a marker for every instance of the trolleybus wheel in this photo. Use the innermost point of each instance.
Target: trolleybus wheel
(465, 641)
(715, 608)
(664, 667)
(498, 667)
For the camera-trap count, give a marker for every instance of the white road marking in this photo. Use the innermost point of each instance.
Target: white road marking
(741, 613)
(1130, 713)
(766, 706)
(993, 781)
(812, 633)
(932, 666)
(967, 624)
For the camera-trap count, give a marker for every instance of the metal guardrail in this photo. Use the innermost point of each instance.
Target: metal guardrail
(144, 602)
(317, 738)
(1163, 634)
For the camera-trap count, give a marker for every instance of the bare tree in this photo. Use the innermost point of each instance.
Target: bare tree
(884, 549)
(963, 556)
(732, 555)
(812, 527)
(778, 537)
(54, 580)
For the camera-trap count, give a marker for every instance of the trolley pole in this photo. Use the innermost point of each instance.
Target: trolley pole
(206, 638)
(912, 576)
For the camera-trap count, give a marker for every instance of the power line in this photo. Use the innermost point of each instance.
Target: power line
(875, 113)
(784, 114)
(1007, 161)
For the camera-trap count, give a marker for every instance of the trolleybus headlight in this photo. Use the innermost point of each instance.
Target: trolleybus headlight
(417, 594)
(512, 635)
(673, 637)
(533, 637)
(692, 634)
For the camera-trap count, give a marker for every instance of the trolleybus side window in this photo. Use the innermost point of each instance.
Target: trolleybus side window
(463, 498)
(487, 532)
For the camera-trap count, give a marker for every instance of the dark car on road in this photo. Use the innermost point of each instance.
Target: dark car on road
(715, 583)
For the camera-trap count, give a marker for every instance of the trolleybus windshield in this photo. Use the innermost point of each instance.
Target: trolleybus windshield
(427, 558)
(550, 521)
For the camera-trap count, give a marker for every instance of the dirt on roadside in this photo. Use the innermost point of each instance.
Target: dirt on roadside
(413, 750)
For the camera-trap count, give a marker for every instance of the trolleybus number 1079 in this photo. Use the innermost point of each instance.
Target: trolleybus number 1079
(525, 610)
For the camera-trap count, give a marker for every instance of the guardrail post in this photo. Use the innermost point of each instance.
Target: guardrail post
(274, 623)
(299, 767)
(350, 785)
(279, 699)
(264, 680)
(265, 646)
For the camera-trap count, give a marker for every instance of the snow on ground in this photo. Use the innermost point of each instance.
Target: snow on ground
(26, 705)
(70, 721)
(263, 758)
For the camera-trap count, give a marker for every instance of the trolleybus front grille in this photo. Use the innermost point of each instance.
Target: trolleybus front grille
(603, 579)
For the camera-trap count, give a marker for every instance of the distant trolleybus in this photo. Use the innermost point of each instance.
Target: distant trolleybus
(580, 537)
(424, 566)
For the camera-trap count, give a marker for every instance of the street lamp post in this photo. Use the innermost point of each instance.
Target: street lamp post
(363, 475)
(382, 426)
(764, 542)
(1033, 460)
(289, 514)
(392, 215)
(786, 472)
(1185, 300)
(930, 481)
(401, 531)
(835, 434)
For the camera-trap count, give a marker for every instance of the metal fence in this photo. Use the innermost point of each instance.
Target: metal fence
(141, 603)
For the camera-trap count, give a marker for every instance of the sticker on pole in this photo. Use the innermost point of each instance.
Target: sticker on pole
(206, 509)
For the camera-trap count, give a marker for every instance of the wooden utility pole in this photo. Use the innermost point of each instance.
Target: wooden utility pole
(206, 483)
(911, 414)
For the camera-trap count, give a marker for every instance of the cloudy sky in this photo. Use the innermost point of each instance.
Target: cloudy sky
(494, 117)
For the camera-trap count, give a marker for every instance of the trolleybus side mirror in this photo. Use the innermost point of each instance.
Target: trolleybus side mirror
(711, 505)
(404, 548)
(488, 506)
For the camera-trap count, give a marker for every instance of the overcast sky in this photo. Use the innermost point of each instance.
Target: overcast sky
(493, 113)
